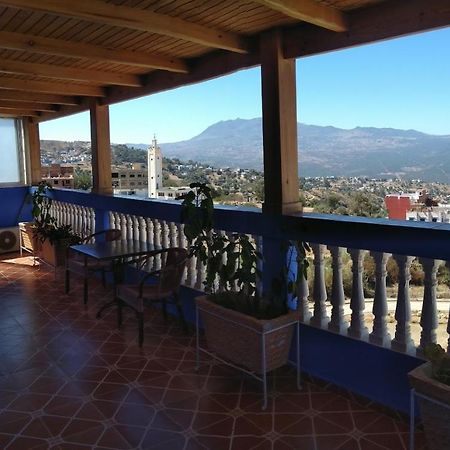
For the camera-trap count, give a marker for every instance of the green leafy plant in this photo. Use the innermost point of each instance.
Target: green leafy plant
(232, 262)
(440, 362)
(45, 225)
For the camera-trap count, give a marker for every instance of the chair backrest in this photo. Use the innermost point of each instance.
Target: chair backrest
(172, 269)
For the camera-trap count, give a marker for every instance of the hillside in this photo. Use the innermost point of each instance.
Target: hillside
(323, 151)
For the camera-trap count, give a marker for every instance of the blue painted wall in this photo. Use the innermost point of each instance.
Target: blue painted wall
(14, 206)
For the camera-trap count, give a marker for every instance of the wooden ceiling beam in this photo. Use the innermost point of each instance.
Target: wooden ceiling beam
(310, 11)
(17, 112)
(58, 47)
(9, 104)
(68, 73)
(386, 20)
(22, 96)
(135, 19)
(50, 87)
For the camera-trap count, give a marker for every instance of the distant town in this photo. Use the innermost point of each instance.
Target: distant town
(150, 175)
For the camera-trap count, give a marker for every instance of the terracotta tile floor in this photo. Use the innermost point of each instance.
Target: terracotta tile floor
(69, 381)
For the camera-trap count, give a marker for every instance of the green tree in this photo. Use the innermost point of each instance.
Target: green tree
(82, 179)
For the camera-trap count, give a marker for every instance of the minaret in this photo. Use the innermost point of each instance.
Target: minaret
(154, 159)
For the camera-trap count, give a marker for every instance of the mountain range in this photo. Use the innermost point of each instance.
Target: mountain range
(323, 151)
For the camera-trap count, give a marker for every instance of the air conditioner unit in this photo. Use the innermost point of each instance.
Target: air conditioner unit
(9, 240)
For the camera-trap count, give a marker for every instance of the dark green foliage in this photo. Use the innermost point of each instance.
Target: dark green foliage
(45, 224)
(239, 267)
(440, 362)
(82, 179)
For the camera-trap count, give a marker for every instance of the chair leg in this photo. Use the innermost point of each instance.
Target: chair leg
(85, 290)
(181, 313)
(67, 284)
(119, 312)
(141, 328)
(164, 309)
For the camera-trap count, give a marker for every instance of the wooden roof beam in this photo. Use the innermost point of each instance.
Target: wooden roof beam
(48, 46)
(69, 73)
(50, 87)
(8, 104)
(135, 19)
(310, 11)
(7, 112)
(22, 96)
(386, 20)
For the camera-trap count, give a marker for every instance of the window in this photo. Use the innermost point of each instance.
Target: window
(122, 175)
(11, 152)
(132, 175)
(114, 175)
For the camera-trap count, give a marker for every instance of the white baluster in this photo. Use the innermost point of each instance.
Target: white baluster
(182, 244)
(135, 225)
(402, 340)
(357, 328)
(448, 323)
(337, 323)
(129, 227)
(149, 226)
(319, 318)
(92, 220)
(142, 225)
(111, 218)
(124, 226)
(173, 238)
(380, 334)
(164, 234)
(429, 318)
(157, 239)
(302, 290)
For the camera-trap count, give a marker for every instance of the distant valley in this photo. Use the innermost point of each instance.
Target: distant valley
(323, 151)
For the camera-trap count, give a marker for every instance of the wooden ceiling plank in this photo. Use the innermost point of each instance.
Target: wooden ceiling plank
(50, 87)
(9, 104)
(136, 19)
(68, 73)
(48, 46)
(23, 96)
(310, 11)
(18, 112)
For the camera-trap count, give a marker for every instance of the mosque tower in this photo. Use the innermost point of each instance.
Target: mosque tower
(154, 164)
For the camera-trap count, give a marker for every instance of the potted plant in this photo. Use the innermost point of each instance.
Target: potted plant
(49, 240)
(234, 314)
(432, 384)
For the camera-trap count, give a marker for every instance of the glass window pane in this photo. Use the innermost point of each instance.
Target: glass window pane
(9, 153)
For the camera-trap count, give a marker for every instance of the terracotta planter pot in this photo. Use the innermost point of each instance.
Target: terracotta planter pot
(436, 417)
(236, 337)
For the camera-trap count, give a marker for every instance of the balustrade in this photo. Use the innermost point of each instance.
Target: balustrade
(340, 311)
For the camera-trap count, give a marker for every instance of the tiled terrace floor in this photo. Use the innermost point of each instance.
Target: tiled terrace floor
(69, 381)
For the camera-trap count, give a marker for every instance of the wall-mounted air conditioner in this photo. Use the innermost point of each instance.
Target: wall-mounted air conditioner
(9, 240)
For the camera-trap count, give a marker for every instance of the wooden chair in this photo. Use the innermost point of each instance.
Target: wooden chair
(164, 291)
(76, 263)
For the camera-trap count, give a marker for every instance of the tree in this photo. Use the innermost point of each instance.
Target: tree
(82, 179)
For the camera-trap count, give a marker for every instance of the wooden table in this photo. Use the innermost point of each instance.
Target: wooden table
(116, 252)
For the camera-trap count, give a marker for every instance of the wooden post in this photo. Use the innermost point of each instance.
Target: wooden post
(34, 146)
(101, 149)
(279, 104)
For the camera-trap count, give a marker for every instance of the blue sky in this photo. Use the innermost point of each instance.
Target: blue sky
(402, 83)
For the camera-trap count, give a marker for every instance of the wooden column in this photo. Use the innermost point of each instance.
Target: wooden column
(34, 146)
(101, 149)
(279, 104)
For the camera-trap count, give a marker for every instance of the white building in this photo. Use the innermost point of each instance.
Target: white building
(155, 176)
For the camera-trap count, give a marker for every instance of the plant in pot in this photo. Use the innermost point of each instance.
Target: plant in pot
(241, 326)
(431, 382)
(50, 240)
